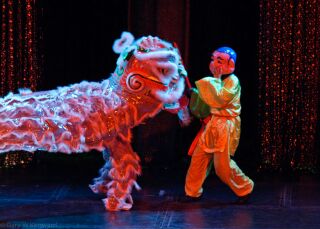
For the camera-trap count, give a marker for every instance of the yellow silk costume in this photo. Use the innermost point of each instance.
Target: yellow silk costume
(220, 138)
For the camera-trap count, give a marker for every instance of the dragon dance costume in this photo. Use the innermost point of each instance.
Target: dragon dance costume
(99, 115)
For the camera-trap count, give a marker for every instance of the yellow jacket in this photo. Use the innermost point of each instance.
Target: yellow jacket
(222, 133)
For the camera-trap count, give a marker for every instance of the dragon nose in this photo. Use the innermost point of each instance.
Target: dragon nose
(175, 78)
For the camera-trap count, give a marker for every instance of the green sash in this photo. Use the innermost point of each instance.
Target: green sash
(197, 107)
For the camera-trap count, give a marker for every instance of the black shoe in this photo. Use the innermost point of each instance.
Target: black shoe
(243, 199)
(188, 199)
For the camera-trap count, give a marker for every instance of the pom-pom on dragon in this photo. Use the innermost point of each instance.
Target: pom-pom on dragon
(149, 76)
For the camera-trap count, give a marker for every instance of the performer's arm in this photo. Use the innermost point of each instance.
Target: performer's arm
(215, 93)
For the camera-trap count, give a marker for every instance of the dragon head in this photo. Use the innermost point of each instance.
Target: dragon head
(151, 67)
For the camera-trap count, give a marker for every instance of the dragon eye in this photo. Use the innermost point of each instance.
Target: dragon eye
(163, 71)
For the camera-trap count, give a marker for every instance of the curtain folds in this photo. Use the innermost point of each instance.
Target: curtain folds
(20, 60)
(289, 53)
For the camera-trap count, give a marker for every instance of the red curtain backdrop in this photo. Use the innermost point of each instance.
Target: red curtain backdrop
(288, 55)
(20, 67)
(168, 19)
(289, 46)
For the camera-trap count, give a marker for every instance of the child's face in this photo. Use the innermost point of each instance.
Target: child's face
(219, 64)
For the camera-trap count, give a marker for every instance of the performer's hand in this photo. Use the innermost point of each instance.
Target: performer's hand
(184, 116)
(216, 71)
(189, 91)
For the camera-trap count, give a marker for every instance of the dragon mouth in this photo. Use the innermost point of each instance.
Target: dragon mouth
(172, 86)
(155, 83)
(171, 93)
(166, 87)
(155, 80)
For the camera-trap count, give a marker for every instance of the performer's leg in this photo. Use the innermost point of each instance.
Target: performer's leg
(100, 183)
(118, 176)
(198, 171)
(229, 172)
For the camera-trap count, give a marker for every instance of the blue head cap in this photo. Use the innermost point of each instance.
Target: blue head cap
(229, 51)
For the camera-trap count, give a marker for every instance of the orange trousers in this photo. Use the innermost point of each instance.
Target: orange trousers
(226, 169)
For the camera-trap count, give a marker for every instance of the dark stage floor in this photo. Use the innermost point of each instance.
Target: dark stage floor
(48, 200)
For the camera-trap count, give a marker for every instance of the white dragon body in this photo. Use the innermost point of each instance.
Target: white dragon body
(99, 115)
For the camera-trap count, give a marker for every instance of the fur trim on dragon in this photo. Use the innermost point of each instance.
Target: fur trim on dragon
(99, 116)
